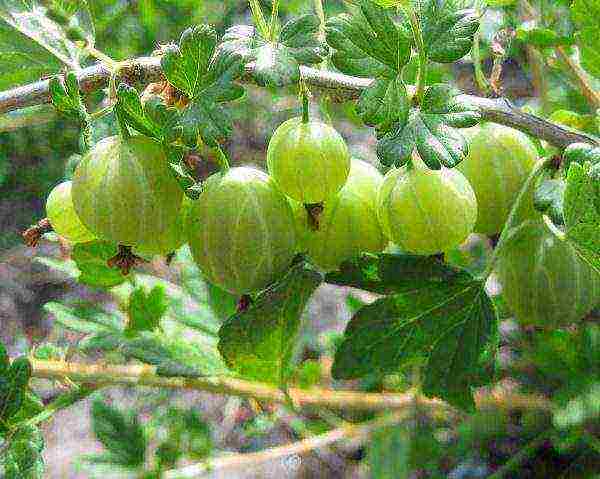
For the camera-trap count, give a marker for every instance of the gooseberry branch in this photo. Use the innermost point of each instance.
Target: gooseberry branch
(339, 87)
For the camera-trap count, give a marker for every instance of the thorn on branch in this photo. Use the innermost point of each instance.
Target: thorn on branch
(32, 235)
(125, 260)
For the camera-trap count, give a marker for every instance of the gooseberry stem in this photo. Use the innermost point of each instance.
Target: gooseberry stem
(305, 102)
(222, 158)
(273, 24)
(415, 25)
(537, 170)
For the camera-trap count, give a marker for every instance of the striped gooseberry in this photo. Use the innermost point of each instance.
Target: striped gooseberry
(62, 215)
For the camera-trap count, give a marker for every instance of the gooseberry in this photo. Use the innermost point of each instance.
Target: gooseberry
(348, 224)
(498, 163)
(426, 211)
(124, 192)
(241, 230)
(309, 160)
(543, 280)
(62, 216)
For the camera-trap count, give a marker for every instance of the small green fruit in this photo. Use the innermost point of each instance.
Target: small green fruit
(124, 192)
(309, 161)
(543, 280)
(241, 230)
(62, 216)
(426, 211)
(348, 224)
(499, 161)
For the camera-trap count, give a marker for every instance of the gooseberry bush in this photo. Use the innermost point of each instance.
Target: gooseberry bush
(477, 217)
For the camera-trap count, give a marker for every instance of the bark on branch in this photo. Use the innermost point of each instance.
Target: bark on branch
(340, 88)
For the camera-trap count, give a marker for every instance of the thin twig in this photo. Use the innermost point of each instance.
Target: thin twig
(145, 375)
(289, 452)
(592, 95)
(339, 87)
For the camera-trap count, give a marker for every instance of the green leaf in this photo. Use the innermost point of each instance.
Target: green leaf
(431, 129)
(23, 457)
(580, 153)
(64, 92)
(206, 120)
(300, 36)
(581, 409)
(91, 260)
(452, 327)
(145, 310)
(389, 453)
(548, 198)
(368, 43)
(275, 66)
(392, 273)
(448, 29)
(205, 74)
(4, 361)
(384, 104)
(13, 387)
(277, 63)
(582, 213)
(31, 20)
(84, 319)
(541, 37)
(396, 451)
(586, 16)
(122, 436)
(185, 65)
(259, 343)
(153, 119)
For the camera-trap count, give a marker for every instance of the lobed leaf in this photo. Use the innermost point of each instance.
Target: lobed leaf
(586, 15)
(91, 259)
(548, 198)
(432, 130)
(452, 327)
(122, 436)
(64, 92)
(146, 309)
(582, 212)
(23, 456)
(13, 387)
(448, 30)
(385, 273)
(384, 104)
(259, 343)
(368, 43)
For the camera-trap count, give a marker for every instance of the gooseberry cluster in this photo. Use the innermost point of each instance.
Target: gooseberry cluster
(246, 226)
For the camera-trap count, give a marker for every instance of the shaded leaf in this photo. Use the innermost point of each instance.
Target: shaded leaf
(13, 387)
(203, 119)
(541, 37)
(452, 327)
(392, 273)
(384, 104)
(145, 310)
(84, 319)
(64, 92)
(582, 213)
(581, 409)
(275, 66)
(368, 43)
(259, 343)
(447, 29)
(91, 259)
(23, 457)
(548, 199)
(153, 118)
(432, 130)
(586, 15)
(121, 435)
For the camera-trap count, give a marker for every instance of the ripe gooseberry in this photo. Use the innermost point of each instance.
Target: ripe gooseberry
(309, 160)
(499, 160)
(124, 192)
(543, 280)
(426, 211)
(62, 216)
(348, 225)
(241, 230)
